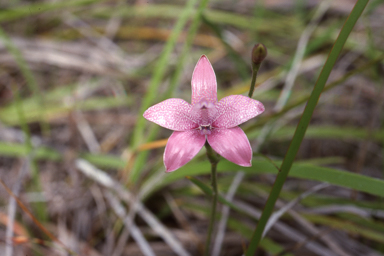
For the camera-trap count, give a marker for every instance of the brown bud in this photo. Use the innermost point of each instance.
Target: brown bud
(259, 52)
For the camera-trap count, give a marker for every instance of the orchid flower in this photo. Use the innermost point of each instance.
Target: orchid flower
(205, 119)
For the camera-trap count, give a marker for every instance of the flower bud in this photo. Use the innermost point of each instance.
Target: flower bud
(259, 52)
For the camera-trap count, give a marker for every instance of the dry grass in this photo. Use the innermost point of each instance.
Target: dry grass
(68, 154)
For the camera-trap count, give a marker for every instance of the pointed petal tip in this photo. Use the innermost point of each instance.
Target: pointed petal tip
(168, 170)
(261, 107)
(204, 85)
(248, 164)
(203, 58)
(145, 114)
(245, 164)
(170, 167)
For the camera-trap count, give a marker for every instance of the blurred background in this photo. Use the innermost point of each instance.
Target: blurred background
(87, 168)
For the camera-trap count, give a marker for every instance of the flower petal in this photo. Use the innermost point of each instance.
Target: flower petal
(181, 148)
(204, 84)
(174, 114)
(231, 144)
(236, 109)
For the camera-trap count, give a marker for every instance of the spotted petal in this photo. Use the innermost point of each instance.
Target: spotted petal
(174, 114)
(236, 109)
(204, 86)
(231, 144)
(181, 148)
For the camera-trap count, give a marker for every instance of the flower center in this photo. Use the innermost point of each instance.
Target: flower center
(205, 112)
(205, 129)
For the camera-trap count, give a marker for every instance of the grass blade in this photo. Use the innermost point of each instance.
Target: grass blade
(142, 156)
(28, 76)
(307, 171)
(208, 191)
(158, 76)
(303, 124)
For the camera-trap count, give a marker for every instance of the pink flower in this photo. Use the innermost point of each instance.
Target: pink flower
(205, 119)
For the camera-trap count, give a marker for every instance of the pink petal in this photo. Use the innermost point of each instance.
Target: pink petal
(174, 114)
(204, 82)
(181, 148)
(236, 109)
(231, 144)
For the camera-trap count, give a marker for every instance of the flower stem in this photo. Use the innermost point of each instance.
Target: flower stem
(255, 69)
(213, 159)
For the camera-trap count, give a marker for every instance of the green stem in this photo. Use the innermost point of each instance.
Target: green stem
(255, 70)
(213, 159)
(266, 118)
(303, 124)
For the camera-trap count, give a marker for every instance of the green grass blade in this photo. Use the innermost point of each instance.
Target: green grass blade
(307, 171)
(30, 79)
(208, 191)
(303, 124)
(158, 76)
(104, 161)
(324, 132)
(160, 70)
(39, 207)
(142, 156)
(345, 179)
(348, 226)
(271, 20)
(240, 64)
(25, 10)
(19, 150)
(186, 48)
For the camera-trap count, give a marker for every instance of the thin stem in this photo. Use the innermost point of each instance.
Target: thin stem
(213, 159)
(263, 120)
(259, 52)
(255, 69)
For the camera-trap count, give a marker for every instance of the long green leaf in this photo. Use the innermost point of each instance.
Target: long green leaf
(158, 76)
(142, 156)
(305, 171)
(341, 178)
(241, 66)
(336, 177)
(324, 132)
(303, 124)
(208, 191)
